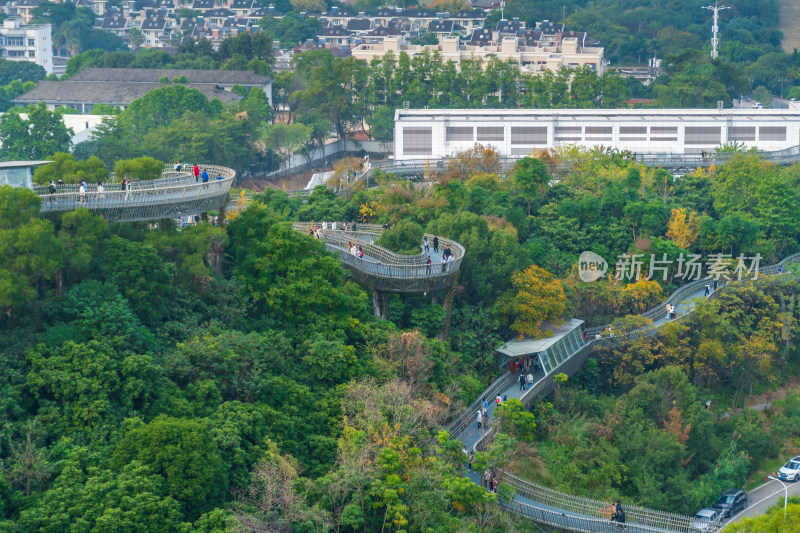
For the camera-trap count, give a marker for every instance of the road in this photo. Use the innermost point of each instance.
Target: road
(762, 498)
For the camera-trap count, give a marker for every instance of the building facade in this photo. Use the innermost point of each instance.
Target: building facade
(533, 58)
(439, 133)
(33, 43)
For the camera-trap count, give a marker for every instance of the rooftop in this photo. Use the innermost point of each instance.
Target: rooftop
(112, 93)
(491, 114)
(527, 346)
(137, 75)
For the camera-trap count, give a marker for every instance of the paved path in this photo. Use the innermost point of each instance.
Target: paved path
(762, 498)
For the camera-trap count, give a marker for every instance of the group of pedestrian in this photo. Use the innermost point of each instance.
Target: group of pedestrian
(426, 245)
(526, 364)
(617, 513)
(525, 381)
(489, 480)
(483, 417)
(671, 314)
(355, 250)
(334, 225)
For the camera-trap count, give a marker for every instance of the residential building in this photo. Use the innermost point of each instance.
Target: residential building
(335, 35)
(439, 133)
(120, 86)
(532, 59)
(22, 9)
(117, 24)
(20, 42)
(156, 30)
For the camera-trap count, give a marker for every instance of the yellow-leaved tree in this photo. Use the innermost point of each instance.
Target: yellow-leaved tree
(683, 227)
(536, 297)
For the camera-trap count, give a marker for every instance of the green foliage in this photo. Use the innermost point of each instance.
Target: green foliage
(24, 71)
(290, 275)
(140, 275)
(159, 107)
(515, 420)
(183, 454)
(66, 168)
(405, 238)
(141, 168)
(39, 135)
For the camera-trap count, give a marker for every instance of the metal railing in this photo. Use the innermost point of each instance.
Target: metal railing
(380, 262)
(498, 386)
(582, 524)
(174, 195)
(587, 507)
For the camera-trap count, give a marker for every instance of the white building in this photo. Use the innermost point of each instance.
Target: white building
(533, 58)
(438, 133)
(33, 43)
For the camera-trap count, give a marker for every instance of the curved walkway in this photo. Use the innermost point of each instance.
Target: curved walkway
(569, 512)
(383, 270)
(175, 194)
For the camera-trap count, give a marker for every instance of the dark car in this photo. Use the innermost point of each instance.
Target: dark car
(732, 501)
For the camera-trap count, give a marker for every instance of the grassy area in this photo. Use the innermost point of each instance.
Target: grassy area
(768, 468)
(790, 24)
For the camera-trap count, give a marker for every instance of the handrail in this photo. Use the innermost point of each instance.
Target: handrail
(175, 195)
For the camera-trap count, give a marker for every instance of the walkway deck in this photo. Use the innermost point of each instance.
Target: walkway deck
(383, 270)
(171, 196)
(558, 509)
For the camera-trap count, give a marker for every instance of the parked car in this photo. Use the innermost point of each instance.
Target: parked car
(705, 518)
(731, 502)
(791, 470)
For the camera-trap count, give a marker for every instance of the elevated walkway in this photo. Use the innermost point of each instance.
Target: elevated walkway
(383, 270)
(566, 511)
(175, 194)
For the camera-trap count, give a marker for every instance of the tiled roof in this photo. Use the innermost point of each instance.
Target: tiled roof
(137, 75)
(359, 24)
(114, 22)
(112, 93)
(220, 12)
(333, 31)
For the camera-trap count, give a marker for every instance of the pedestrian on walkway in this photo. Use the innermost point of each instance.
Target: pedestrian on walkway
(426, 245)
(333, 225)
(521, 382)
(196, 172)
(51, 188)
(360, 253)
(82, 192)
(708, 289)
(469, 463)
(486, 403)
(530, 380)
(669, 315)
(436, 244)
(672, 312)
(100, 189)
(480, 419)
(498, 400)
(428, 263)
(178, 166)
(204, 179)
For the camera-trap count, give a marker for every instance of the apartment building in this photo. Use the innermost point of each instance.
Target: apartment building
(532, 58)
(20, 42)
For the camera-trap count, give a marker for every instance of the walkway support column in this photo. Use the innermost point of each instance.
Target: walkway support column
(376, 308)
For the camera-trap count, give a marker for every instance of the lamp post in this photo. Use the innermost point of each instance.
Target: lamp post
(785, 493)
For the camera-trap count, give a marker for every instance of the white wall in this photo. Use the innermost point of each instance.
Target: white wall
(639, 131)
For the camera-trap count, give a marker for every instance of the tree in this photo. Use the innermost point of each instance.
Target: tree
(184, 454)
(20, 70)
(381, 124)
(136, 37)
(41, 134)
(309, 6)
(515, 420)
(683, 228)
(285, 139)
(159, 107)
(405, 238)
(536, 297)
(531, 178)
(66, 168)
(141, 168)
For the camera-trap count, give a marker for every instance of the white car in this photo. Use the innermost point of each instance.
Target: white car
(790, 471)
(705, 518)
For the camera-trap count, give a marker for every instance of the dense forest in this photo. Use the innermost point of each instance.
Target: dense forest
(143, 385)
